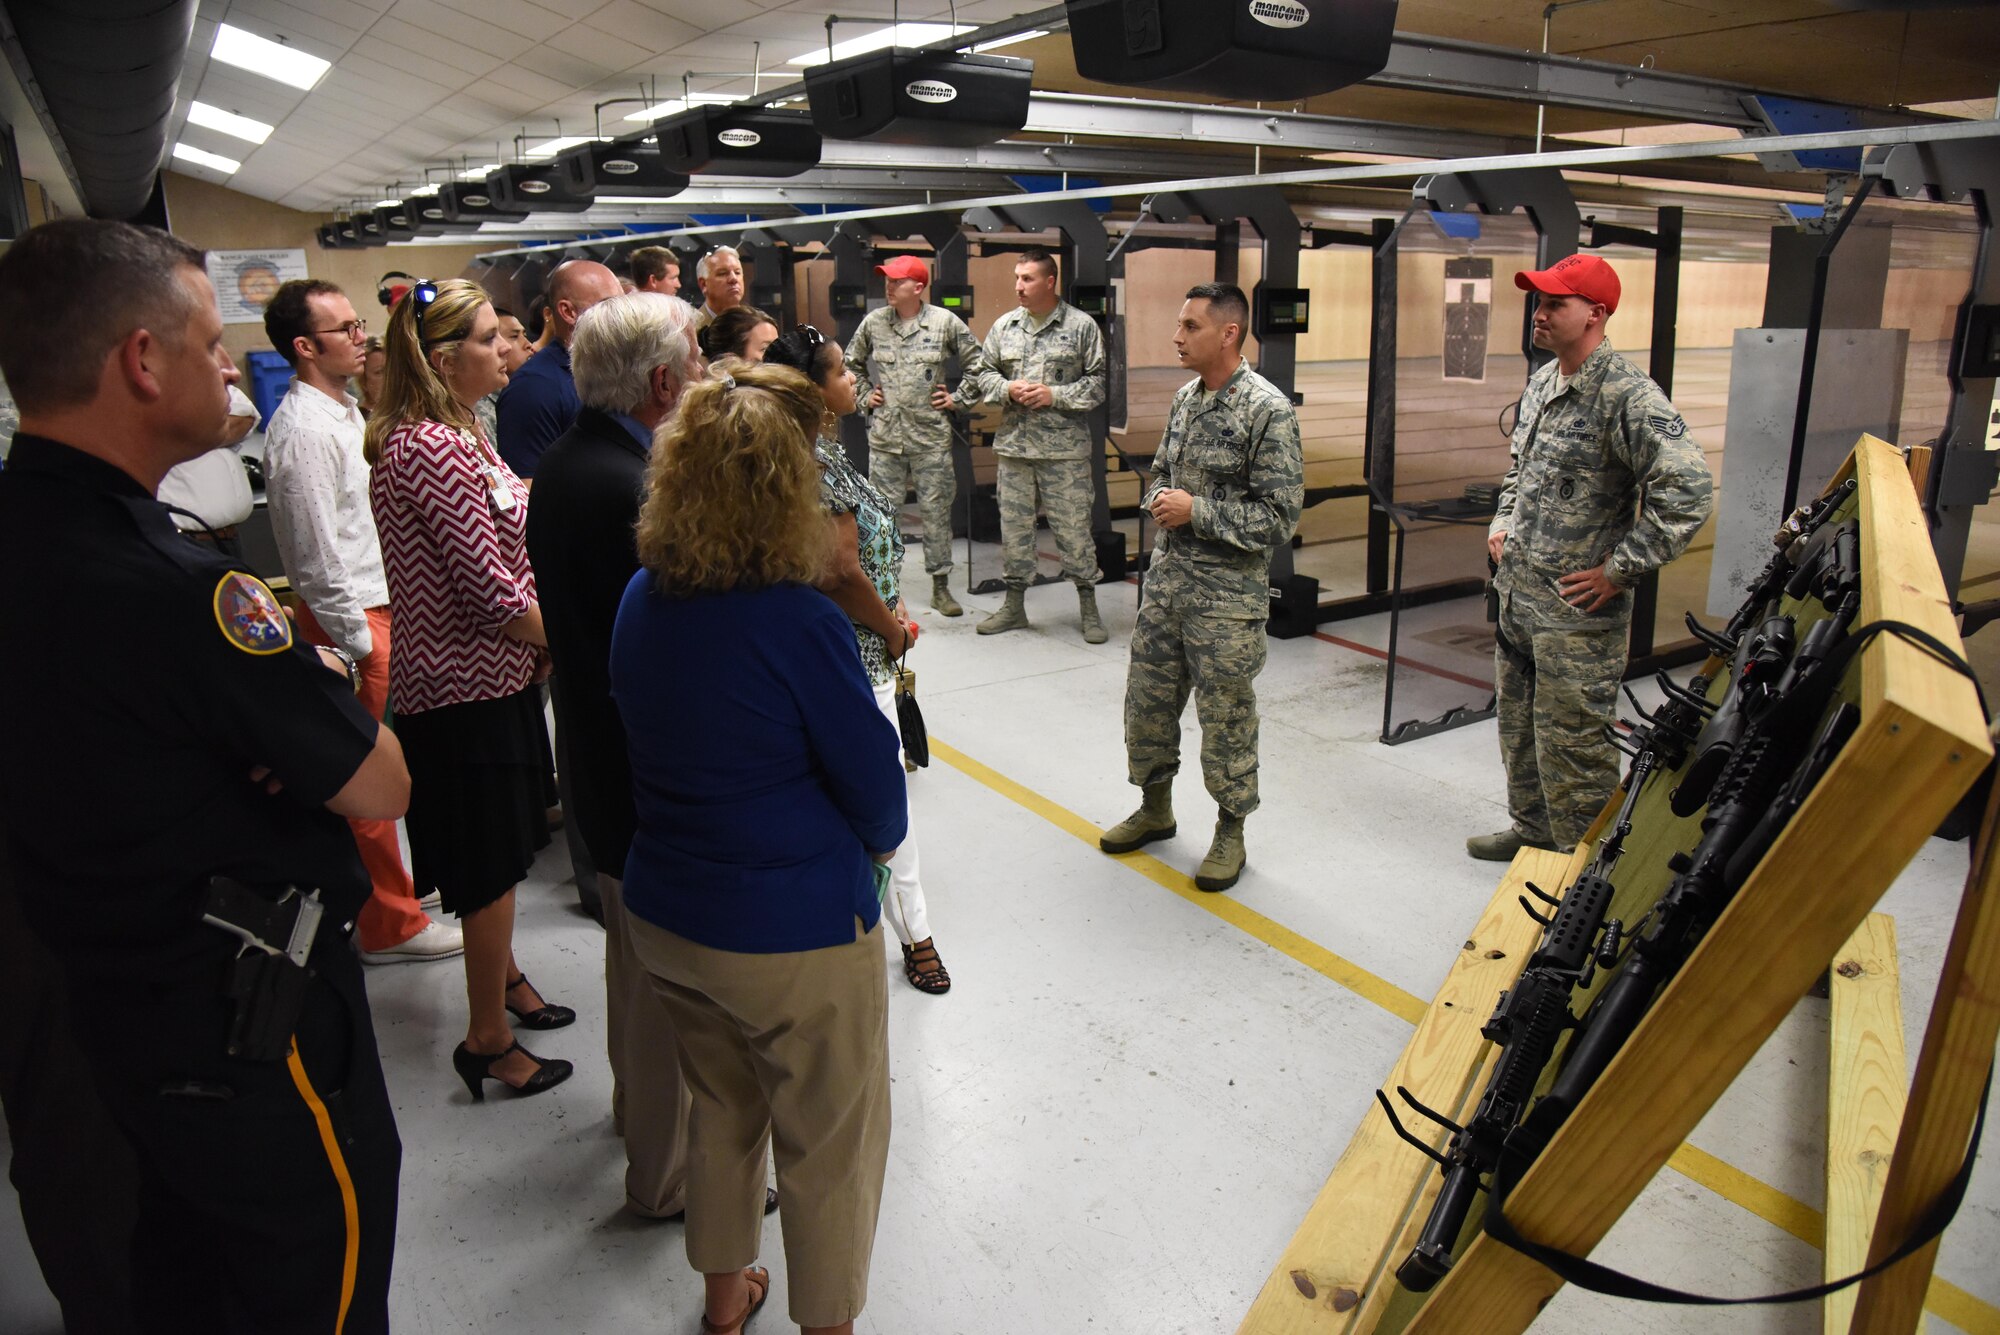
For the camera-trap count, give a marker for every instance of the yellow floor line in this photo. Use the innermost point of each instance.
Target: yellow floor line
(1275, 935)
(1946, 1300)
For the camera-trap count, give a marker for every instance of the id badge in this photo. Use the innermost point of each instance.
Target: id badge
(499, 492)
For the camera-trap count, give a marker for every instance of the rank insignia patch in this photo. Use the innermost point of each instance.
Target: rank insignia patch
(249, 615)
(1673, 428)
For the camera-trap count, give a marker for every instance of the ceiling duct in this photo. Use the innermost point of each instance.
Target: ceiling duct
(738, 141)
(628, 167)
(107, 71)
(1247, 50)
(905, 96)
(461, 206)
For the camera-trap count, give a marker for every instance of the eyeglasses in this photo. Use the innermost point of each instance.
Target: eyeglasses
(813, 338)
(353, 331)
(422, 295)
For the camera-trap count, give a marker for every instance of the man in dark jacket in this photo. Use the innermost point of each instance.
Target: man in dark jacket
(631, 356)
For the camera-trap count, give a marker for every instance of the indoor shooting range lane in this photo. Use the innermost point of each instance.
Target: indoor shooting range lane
(1070, 1153)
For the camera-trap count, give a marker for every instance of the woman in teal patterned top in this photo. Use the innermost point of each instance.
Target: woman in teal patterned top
(868, 552)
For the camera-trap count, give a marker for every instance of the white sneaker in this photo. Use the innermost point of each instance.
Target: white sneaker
(432, 902)
(435, 942)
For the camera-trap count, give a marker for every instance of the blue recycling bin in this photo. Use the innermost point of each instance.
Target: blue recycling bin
(270, 376)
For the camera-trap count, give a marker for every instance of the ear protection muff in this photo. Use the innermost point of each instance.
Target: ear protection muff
(389, 289)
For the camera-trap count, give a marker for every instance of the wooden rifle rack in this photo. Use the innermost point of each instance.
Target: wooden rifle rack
(1921, 744)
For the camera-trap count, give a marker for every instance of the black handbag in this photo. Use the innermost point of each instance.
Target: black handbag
(910, 717)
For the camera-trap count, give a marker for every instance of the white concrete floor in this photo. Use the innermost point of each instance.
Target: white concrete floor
(1119, 1114)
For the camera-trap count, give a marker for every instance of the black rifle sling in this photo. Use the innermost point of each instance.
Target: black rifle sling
(1588, 1274)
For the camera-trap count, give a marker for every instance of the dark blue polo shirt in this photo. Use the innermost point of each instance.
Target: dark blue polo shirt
(538, 405)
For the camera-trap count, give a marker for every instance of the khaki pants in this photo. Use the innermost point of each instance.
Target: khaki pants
(649, 1102)
(789, 1051)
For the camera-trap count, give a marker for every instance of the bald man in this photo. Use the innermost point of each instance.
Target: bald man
(540, 402)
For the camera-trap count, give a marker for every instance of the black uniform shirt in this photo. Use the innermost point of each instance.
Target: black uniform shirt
(142, 677)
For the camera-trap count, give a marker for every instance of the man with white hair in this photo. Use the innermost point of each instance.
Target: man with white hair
(719, 275)
(631, 357)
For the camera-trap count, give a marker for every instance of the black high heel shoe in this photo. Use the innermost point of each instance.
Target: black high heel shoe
(547, 1017)
(476, 1068)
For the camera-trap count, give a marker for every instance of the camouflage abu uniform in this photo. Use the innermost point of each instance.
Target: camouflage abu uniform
(907, 438)
(1208, 591)
(1044, 449)
(1605, 468)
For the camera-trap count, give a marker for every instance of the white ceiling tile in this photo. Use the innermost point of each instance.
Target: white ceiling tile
(538, 88)
(334, 25)
(384, 84)
(426, 55)
(455, 26)
(639, 27)
(595, 47)
(516, 16)
(572, 10)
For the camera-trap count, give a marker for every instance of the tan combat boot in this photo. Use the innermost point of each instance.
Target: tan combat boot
(1224, 863)
(1499, 847)
(1093, 625)
(941, 598)
(1013, 614)
(1153, 820)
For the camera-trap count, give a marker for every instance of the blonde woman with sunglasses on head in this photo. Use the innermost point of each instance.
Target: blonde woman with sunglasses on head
(470, 648)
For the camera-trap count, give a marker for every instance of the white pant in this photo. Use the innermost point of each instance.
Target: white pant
(903, 905)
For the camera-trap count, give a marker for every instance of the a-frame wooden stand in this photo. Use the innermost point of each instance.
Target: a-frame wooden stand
(1921, 744)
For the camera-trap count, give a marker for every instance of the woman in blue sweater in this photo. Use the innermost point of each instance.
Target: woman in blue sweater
(768, 790)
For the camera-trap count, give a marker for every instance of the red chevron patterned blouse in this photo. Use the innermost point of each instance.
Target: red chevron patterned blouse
(453, 522)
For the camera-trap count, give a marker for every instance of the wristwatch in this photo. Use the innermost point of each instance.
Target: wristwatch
(347, 661)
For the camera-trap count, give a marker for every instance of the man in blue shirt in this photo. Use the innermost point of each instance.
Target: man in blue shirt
(540, 402)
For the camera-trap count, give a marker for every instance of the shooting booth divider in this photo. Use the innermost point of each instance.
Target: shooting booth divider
(1918, 743)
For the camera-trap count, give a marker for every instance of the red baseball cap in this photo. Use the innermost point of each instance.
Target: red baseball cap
(906, 266)
(1583, 276)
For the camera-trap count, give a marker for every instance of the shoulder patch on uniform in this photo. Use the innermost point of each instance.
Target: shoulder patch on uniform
(1673, 428)
(249, 615)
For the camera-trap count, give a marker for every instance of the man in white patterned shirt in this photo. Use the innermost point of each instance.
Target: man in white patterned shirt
(316, 483)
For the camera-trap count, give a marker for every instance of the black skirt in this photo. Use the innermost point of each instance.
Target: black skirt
(478, 814)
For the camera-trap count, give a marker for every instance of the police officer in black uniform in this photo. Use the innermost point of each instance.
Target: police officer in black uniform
(178, 770)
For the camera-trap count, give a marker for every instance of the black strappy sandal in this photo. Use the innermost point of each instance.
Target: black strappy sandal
(932, 979)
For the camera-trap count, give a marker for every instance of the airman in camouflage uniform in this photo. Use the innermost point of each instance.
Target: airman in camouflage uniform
(1606, 485)
(899, 356)
(1045, 361)
(1227, 488)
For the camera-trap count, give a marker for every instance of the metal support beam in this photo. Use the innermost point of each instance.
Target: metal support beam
(1023, 159)
(1539, 192)
(1963, 475)
(1193, 122)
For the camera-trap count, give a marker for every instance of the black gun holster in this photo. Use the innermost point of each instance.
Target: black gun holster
(268, 978)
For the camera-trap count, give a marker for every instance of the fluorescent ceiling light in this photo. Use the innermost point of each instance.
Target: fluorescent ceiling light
(659, 109)
(479, 173)
(423, 192)
(228, 122)
(273, 60)
(213, 161)
(387, 203)
(902, 34)
(1028, 36)
(552, 147)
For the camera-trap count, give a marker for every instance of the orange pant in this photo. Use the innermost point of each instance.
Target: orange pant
(391, 915)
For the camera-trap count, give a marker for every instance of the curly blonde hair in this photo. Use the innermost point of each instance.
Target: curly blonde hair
(732, 494)
(412, 389)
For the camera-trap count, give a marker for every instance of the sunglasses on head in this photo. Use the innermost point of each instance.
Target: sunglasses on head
(421, 296)
(809, 335)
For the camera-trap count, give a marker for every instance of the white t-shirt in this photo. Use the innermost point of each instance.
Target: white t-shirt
(213, 485)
